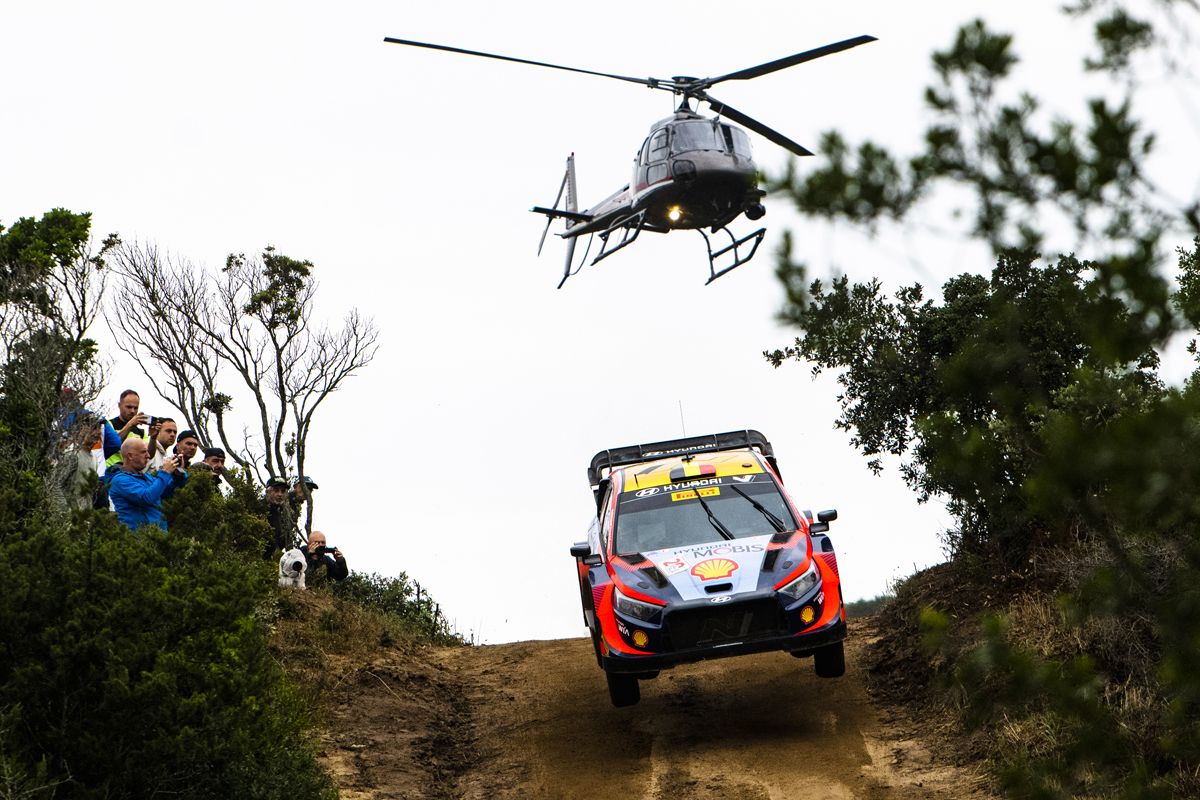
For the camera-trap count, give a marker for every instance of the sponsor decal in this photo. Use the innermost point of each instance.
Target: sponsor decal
(743, 478)
(675, 487)
(722, 599)
(623, 630)
(714, 568)
(671, 566)
(640, 638)
(691, 493)
(807, 615)
(647, 492)
(709, 550)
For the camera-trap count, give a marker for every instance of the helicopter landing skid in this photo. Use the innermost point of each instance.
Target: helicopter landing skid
(630, 227)
(734, 244)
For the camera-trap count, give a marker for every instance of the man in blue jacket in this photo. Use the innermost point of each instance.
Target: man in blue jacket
(137, 495)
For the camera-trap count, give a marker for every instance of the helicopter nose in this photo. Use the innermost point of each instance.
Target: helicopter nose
(683, 170)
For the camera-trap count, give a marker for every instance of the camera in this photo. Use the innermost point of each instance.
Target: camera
(326, 549)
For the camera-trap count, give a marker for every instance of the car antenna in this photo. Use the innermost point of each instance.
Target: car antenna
(682, 424)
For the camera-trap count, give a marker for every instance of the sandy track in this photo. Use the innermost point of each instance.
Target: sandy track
(533, 719)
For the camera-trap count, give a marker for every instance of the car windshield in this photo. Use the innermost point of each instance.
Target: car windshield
(655, 519)
(689, 136)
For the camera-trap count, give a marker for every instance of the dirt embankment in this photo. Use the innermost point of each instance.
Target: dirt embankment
(533, 720)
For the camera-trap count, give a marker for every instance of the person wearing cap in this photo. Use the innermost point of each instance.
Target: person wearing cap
(302, 491)
(186, 445)
(281, 519)
(214, 459)
(137, 496)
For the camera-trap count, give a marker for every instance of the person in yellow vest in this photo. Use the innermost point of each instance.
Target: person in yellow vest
(125, 423)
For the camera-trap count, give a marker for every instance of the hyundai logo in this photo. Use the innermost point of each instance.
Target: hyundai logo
(653, 490)
(724, 599)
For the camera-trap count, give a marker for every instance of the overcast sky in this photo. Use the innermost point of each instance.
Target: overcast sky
(406, 176)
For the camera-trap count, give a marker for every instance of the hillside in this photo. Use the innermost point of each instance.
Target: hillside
(533, 719)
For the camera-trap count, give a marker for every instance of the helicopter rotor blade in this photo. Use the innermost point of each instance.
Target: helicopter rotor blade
(762, 130)
(651, 82)
(561, 187)
(790, 61)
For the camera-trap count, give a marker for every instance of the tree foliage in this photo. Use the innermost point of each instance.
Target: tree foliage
(215, 344)
(1029, 398)
(132, 664)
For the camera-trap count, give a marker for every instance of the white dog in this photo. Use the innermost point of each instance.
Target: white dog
(291, 568)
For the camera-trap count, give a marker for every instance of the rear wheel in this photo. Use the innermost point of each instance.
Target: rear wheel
(830, 661)
(623, 689)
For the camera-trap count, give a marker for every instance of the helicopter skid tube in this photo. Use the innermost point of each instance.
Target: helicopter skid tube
(629, 224)
(738, 258)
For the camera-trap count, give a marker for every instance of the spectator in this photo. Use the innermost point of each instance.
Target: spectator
(214, 462)
(322, 561)
(281, 518)
(128, 419)
(136, 495)
(164, 438)
(186, 446)
(77, 467)
(301, 492)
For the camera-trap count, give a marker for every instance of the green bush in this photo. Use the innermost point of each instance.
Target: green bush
(399, 599)
(132, 664)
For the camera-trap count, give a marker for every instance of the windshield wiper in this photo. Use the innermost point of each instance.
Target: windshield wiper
(716, 523)
(775, 521)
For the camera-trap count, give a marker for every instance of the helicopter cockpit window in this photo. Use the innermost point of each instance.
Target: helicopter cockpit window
(658, 147)
(690, 136)
(736, 140)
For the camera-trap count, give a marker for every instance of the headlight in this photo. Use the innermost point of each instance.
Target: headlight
(804, 584)
(634, 608)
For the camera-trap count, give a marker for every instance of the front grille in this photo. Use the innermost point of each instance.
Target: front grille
(735, 622)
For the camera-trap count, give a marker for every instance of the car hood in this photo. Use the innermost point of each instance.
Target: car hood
(695, 570)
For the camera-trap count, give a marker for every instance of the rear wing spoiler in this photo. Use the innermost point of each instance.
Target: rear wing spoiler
(604, 462)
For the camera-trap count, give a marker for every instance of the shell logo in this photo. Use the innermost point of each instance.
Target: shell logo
(714, 568)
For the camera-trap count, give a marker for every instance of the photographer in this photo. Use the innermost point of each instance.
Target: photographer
(185, 447)
(136, 495)
(163, 431)
(324, 561)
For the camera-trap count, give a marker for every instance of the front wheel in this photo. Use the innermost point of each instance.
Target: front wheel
(623, 689)
(830, 661)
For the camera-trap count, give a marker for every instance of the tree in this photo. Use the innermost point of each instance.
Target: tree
(204, 340)
(52, 280)
(1029, 398)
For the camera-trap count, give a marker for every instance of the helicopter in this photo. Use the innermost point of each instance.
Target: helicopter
(692, 172)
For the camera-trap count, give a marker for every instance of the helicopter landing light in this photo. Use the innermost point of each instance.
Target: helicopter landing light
(674, 213)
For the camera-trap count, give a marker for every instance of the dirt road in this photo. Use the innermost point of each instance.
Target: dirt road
(533, 720)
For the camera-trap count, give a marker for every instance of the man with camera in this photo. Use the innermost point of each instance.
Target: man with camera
(164, 431)
(324, 561)
(136, 495)
(186, 446)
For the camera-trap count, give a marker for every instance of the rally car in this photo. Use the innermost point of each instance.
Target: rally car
(697, 552)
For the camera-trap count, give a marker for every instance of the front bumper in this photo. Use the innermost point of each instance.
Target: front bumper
(807, 642)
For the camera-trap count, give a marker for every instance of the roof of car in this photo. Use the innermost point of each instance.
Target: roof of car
(607, 460)
(679, 469)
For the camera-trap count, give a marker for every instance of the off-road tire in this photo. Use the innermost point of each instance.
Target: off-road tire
(623, 689)
(830, 661)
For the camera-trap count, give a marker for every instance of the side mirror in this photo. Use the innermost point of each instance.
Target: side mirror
(581, 550)
(827, 516)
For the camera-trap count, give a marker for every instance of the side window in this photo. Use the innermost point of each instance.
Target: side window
(656, 173)
(658, 146)
(644, 153)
